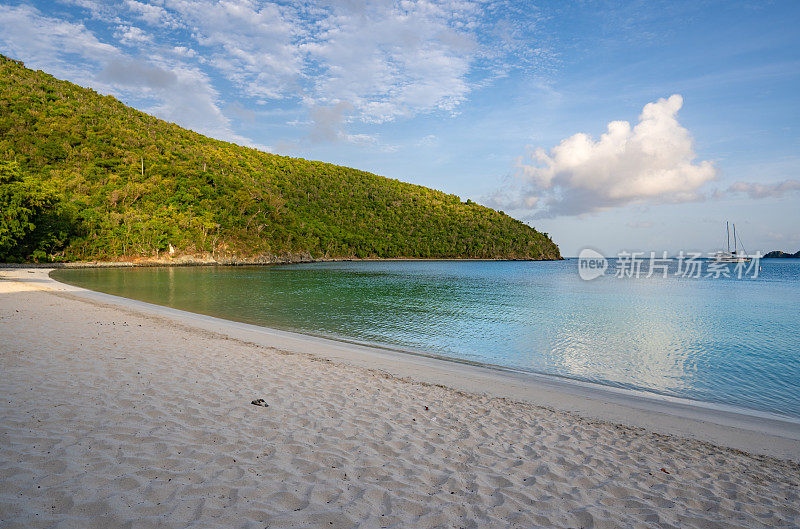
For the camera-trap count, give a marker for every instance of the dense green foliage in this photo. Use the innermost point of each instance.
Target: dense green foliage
(34, 222)
(82, 155)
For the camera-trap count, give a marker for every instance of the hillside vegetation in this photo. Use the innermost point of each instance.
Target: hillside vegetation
(72, 187)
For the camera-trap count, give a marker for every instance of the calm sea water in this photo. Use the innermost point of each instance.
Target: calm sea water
(729, 341)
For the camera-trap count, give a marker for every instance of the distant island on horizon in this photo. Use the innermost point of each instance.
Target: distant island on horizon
(777, 254)
(85, 177)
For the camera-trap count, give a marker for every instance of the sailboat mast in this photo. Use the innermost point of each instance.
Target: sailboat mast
(734, 238)
(728, 230)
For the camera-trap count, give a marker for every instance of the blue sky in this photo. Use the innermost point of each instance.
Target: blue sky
(519, 106)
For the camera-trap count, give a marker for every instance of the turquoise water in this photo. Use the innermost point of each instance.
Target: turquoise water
(729, 341)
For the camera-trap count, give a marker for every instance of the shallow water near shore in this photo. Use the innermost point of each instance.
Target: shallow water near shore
(727, 340)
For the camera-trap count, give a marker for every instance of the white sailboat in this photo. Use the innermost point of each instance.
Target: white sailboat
(731, 256)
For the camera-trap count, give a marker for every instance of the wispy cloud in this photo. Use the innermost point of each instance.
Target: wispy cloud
(151, 14)
(760, 190)
(328, 121)
(652, 162)
(385, 59)
(131, 35)
(381, 60)
(393, 60)
(431, 140)
(53, 43)
(256, 46)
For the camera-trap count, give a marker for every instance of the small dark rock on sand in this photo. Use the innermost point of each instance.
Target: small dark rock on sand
(260, 402)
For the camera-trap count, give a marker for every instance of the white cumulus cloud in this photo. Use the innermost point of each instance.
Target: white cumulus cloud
(652, 162)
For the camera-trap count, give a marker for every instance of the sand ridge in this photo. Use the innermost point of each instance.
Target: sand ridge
(111, 418)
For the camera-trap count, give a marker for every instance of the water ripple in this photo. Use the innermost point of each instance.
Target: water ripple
(725, 341)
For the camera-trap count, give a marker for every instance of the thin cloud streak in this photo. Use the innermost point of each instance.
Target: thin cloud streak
(757, 190)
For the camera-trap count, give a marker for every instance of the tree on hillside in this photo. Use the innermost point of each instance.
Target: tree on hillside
(34, 224)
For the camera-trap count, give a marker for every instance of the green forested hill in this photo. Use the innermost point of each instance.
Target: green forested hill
(72, 188)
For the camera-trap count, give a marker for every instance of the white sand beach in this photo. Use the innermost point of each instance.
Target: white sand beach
(115, 413)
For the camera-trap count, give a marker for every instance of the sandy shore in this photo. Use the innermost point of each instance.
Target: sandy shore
(116, 413)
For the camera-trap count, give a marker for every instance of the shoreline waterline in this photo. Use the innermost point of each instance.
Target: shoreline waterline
(667, 337)
(739, 428)
(189, 262)
(119, 412)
